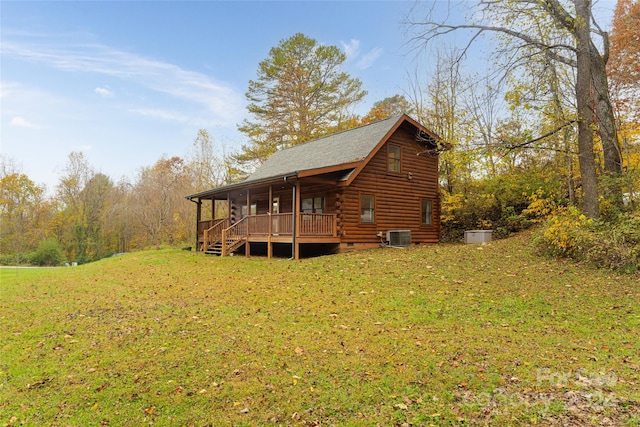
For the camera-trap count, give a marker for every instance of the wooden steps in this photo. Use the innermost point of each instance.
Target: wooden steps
(216, 249)
(232, 245)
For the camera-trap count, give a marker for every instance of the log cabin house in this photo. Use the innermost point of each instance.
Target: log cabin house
(360, 188)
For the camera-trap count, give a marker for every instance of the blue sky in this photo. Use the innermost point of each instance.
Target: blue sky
(126, 82)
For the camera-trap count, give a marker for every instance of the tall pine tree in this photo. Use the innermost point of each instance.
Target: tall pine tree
(300, 94)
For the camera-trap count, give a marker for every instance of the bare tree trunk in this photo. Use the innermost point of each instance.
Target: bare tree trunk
(598, 62)
(585, 114)
(569, 165)
(604, 111)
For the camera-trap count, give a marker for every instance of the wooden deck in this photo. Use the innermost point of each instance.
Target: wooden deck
(222, 238)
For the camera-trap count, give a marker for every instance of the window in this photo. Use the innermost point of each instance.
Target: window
(243, 210)
(427, 212)
(393, 153)
(367, 206)
(313, 205)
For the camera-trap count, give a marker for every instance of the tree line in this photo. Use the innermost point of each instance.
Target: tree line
(553, 122)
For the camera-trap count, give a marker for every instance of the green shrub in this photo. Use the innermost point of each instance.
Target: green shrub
(611, 245)
(13, 259)
(479, 211)
(49, 252)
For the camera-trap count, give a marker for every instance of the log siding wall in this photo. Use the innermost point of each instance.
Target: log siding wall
(398, 199)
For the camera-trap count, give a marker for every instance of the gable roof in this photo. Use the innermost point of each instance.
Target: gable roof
(340, 151)
(346, 147)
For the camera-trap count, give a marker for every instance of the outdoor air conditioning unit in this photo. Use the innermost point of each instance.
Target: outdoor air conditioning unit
(399, 237)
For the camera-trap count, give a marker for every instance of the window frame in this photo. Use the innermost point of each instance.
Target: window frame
(397, 162)
(314, 208)
(253, 210)
(371, 209)
(423, 212)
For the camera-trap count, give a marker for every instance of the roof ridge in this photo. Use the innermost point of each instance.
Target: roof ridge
(394, 118)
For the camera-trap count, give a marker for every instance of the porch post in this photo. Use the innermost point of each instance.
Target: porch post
(296, 222)
(247, 249)
(270, 218)
(224, 243)
(198, 218)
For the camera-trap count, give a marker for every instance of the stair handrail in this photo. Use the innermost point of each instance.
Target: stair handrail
(233, 234)
(213, 234)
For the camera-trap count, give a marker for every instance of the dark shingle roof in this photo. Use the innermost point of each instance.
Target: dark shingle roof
(349, 146)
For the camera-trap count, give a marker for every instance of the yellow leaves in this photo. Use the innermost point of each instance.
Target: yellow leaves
(540, 205)
(450, 204)
(566, 230)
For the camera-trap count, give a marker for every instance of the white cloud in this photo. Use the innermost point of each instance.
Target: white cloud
(352, 49)
(23, 123)
(217, 101)
(369, 58)
(103, 92)
(161, 114)
(7, 88)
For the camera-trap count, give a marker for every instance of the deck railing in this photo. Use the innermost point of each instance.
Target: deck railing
(281, 224)
(310, 225)
(204, 225)
(213, 234)
(258, 225)
(317, 224)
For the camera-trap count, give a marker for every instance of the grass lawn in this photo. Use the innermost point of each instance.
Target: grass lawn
(19, 273)
(441, 335)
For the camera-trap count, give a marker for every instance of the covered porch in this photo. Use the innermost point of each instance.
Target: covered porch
(220, 237)
(270, 213)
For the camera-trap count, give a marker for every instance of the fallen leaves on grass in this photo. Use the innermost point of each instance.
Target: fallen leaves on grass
(39, 384)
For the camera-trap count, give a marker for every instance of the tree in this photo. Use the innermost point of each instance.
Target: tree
(521, 21)
(623, 65)
(84, 195)
(482, 104)
(443, 115)
(585, 118)
(299, 95)
(598, 76)
(158, 201)
(624, 71)
(208, 170)
(388, 107)
(95, 196)
(21, 204)
(119, 221)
